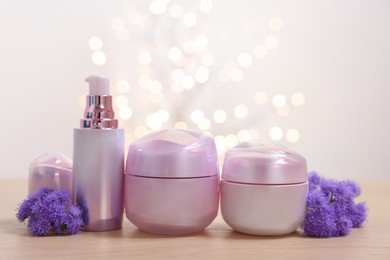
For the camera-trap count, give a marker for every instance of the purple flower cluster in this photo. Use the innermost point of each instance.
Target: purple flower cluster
(331, 210)
(50, 211)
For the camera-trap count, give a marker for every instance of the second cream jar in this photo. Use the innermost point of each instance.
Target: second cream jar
(171, 182)
(263, 189)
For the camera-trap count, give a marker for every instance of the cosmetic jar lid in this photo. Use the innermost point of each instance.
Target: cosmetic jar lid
(51, 159)
(263, 163)
(50, 170)
(173, 153)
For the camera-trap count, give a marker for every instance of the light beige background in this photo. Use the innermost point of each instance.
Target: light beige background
(335, 52)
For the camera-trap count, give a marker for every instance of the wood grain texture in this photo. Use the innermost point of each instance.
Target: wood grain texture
(218, 241)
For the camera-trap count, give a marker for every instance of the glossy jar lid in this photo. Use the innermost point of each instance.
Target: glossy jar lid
(50, 170)
(173, 153)
(263, 163)
(52, 159)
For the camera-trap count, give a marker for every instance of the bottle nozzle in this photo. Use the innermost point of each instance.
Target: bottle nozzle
(98, 85)
(98, 113)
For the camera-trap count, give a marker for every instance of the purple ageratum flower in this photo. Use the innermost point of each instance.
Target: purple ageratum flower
(74, 220)
(331, 210)
(50, 211)
(344, 226)
(25, 208)
(318, 221)
(358, 214)
(314, 180)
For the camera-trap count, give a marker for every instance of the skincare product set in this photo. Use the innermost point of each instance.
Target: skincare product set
(169, 184)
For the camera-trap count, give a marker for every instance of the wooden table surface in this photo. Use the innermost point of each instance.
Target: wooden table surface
(218, 241)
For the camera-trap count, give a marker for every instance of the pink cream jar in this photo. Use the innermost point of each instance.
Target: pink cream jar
(51, 170)
(171, 182)
(263, 189)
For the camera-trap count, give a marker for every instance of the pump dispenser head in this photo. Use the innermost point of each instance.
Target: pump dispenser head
(98, 85)
(98, 113)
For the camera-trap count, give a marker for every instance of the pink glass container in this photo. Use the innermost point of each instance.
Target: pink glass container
(263, 189)
(171, 182)
(50, 170)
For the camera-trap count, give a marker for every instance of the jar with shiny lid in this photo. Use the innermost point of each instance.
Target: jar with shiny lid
(50, 170)
(263, 189)
(171, 182)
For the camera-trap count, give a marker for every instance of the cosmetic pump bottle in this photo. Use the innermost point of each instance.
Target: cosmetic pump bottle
(98, 161)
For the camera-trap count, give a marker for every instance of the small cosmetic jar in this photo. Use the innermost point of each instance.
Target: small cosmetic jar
(171, 182)
(263, 189)
(50, 170)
